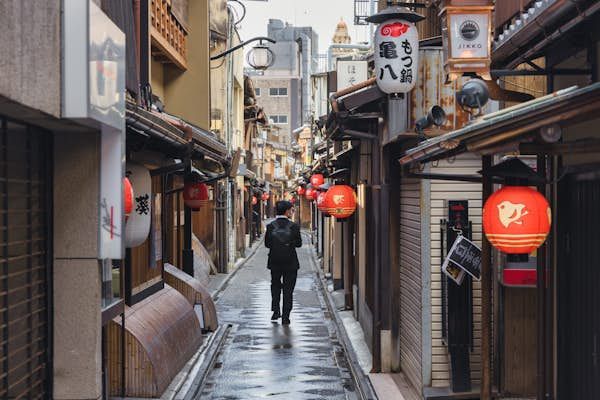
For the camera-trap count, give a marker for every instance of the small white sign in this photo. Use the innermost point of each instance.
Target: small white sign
(350, 72)
(469, 36)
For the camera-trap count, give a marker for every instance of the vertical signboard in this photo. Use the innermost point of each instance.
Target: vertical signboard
(93, 93)
(350, 72)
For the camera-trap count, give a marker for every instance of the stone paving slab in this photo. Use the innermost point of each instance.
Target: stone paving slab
(262, 359)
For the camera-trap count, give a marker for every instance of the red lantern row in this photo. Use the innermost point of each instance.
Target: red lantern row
(516, 219)
(311, 194)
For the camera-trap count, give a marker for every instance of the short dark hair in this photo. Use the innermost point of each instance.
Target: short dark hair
(282, 206)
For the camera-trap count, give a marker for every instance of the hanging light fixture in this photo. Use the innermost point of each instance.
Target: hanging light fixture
(396, 48)
(260, 57)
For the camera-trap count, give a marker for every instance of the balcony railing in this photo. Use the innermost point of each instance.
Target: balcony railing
(168, 35)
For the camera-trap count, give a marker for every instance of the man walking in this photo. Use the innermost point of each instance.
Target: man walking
(282, 238)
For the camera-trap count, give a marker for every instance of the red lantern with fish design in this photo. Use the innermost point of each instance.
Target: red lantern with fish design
(516, 219)
(340, 201)
(317, 180)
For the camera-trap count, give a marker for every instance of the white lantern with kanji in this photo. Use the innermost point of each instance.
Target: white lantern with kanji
(396, 56)
(396, 49)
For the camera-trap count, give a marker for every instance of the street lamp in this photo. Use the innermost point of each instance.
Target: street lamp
(260, 57)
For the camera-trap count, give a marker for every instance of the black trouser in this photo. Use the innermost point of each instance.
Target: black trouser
(288, 284)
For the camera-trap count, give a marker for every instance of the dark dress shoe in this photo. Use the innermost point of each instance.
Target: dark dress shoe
(276, 315)
(285, 321)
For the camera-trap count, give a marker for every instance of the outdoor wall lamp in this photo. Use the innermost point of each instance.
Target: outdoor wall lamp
(474, 94)
(467, 37)
(436, 116)
(260, 57)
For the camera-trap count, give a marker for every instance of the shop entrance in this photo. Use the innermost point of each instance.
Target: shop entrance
(578, 293)
(25, 279)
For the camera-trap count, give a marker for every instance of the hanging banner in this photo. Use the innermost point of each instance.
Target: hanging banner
(464, 257)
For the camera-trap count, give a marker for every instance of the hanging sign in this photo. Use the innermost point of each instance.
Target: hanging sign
(351, 72)
(137, 227)
(467, 38)
(464, 257)
(396, 55)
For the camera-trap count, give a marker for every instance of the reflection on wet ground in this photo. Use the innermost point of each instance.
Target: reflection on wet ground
(264, 359)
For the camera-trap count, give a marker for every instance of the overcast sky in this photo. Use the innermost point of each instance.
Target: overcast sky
(322, 15)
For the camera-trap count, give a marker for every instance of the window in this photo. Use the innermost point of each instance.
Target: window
(282, 91)
(279, 119)
(257, 92)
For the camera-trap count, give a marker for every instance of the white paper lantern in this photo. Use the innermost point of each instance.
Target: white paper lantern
(137, 227)
(396, 55)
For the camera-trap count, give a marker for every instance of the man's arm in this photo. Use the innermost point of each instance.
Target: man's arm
(268, 237)
(297, 236)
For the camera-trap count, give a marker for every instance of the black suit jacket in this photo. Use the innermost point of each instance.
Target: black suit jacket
(293, 263)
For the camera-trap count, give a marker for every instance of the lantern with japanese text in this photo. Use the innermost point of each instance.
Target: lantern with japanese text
(300, 191)
(516, 219)
(127, 197)
(396, 49)
(317, 180)
(340, 201)
(322, 204)
(195, 194)
(254, 200)
(311, 194)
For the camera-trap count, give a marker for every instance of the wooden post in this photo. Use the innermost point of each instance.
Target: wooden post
(541, 301)
(486, 293)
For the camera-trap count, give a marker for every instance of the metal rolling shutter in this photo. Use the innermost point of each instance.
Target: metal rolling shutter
(24, 262)
(410, 281)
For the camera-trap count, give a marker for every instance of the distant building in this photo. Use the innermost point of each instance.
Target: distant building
(284, 88)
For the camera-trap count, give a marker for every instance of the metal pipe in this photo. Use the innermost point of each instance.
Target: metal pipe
(526, 72)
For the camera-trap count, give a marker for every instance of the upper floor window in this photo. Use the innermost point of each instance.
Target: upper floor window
(279, 119)
(282, 91)
(257, 91)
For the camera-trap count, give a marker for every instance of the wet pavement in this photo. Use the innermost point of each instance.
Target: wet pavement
(263, 359)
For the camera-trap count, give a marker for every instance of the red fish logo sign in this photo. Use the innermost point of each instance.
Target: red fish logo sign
(396, 29)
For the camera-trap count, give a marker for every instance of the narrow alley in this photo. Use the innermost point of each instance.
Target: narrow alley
(264, 359)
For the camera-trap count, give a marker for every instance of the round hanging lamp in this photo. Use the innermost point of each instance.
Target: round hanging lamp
(516, 219)
(340, 201)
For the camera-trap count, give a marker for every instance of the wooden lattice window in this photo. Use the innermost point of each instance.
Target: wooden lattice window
(168, 35)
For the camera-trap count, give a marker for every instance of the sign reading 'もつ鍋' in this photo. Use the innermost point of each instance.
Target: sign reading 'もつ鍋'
(396, 56)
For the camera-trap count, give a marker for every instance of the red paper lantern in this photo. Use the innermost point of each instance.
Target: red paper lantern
(317, 180)
(195, 195)
(254, 200)
(340, 201)
(322, 204)
(301, 191)
(127, 197)
(293, 200)
(516, 219)
(311, 194)
(265, 196)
